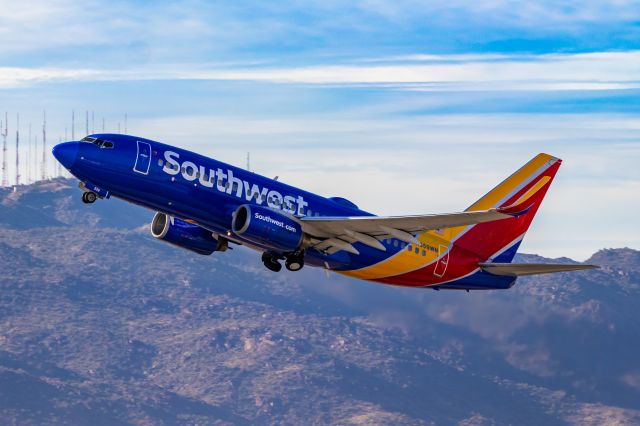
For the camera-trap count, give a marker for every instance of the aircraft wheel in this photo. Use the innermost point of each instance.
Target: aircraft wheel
(271, 262)
(294, 263)
(273, 265)
(89, 197)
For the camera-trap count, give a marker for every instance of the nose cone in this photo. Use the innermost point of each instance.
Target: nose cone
(66, 153)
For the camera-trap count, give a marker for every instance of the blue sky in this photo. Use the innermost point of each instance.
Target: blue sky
(401, 106)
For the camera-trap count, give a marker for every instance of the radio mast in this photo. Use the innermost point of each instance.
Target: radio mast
(86, 123)
(35, 155)
(44, 145)
(29, 157)
(4, 133)
(73, 125)
(18, 150)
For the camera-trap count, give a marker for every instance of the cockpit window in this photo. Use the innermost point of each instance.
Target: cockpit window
(99, 142)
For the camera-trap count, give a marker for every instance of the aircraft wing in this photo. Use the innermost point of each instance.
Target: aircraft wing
(518, 269)
(333, 234)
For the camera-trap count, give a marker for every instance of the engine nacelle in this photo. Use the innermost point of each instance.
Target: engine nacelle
(184, 234)
(264, 226)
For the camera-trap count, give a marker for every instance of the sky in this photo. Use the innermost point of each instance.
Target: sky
(403, 106)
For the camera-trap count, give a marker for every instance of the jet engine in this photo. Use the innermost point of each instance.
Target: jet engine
(186, 235)
(267, 227)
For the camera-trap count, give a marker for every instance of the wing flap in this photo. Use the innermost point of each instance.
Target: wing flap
(519, 269)
(325, 227)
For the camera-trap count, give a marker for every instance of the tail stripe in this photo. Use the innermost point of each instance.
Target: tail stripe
(514, 183)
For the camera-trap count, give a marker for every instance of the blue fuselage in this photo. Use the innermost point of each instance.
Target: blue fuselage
(190, 186)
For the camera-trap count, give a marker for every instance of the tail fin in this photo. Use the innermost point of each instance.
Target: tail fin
(525, 189)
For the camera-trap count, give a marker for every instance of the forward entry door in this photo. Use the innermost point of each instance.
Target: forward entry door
(143, 158)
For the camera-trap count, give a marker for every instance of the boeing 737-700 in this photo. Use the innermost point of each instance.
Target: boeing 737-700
(204, 205)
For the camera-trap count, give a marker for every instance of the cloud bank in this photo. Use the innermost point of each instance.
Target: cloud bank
(588, 71)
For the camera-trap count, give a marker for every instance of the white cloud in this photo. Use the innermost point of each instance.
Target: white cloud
(590, 71)
(167, 30)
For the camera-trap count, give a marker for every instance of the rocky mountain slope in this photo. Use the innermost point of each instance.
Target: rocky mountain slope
(102, 324)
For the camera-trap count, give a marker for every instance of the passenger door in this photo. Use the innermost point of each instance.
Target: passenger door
(143, 158)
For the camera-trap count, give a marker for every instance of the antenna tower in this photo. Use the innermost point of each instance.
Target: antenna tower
(35, 155)
(73, 125)
(5, 132)
(18, 151)
(44, 145)
(29, 157)
(86, 123)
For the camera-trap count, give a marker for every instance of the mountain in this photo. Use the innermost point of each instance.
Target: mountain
(102, 324)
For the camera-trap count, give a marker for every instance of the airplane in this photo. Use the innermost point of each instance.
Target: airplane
(205, 206)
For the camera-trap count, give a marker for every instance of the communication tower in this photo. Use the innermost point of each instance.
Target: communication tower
(5, 133)
(44, 145)
(29, 157)
(18, 150)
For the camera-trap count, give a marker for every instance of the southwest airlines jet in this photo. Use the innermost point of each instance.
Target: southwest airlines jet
(204, 205)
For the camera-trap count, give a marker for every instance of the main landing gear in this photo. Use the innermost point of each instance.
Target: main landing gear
(89, 197)
(293, 261)
(271, 262)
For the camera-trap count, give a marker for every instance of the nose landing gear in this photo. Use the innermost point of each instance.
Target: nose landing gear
(89, 197)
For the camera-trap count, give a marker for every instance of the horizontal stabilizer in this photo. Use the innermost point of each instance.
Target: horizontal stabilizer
(518, 269)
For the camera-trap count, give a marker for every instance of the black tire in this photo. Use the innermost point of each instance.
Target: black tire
(273, 265)
(89, 197)
(294, 263)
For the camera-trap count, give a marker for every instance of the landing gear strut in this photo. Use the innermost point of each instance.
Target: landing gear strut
(271, 262)
(295, 261)
(89, 197)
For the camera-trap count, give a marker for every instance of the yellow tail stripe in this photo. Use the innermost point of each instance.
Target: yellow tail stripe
(512, 182)
(542, 182)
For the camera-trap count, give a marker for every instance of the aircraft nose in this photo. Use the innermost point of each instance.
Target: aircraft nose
(66, 153)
